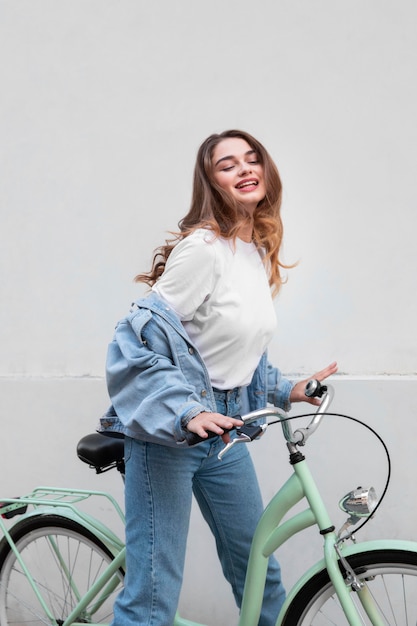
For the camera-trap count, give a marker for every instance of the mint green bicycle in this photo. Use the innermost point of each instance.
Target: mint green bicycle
(62, 567)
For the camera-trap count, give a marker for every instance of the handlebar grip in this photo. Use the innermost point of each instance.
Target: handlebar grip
(193, 438)
(249, 431)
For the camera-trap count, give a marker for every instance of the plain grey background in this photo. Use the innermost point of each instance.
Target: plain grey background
(103, 105)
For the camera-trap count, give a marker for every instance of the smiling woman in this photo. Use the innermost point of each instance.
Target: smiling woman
(239, 172)
(188, 359)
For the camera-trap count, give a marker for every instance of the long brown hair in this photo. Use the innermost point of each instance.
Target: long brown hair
(212, 208)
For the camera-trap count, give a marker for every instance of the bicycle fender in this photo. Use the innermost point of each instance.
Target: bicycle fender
(366, 546)
(104, 534)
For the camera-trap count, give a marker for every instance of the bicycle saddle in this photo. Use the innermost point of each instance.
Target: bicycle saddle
(101, 452)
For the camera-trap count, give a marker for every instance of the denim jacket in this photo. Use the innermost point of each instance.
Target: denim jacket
(157, 380)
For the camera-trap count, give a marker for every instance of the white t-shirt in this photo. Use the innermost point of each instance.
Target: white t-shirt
(220, 291)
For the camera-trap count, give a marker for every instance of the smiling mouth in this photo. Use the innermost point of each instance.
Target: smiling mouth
(247, 183)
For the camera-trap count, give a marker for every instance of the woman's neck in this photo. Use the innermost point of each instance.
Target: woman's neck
(245, 232)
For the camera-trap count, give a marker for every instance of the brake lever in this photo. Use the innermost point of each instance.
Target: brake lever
(245, 434)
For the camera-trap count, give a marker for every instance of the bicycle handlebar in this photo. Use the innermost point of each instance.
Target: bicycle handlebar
(314, 389)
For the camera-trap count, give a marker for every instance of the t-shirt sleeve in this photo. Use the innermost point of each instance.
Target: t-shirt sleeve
(189, 275)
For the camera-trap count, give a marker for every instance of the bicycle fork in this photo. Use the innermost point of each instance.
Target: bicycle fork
(362, 591)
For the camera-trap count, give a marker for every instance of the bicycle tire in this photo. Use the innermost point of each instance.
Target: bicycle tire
(391, 576)
(83, 557)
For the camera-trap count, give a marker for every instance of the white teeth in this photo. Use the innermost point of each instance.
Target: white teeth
(249, 183)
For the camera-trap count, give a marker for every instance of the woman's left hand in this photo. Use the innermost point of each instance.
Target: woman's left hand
(298, 391)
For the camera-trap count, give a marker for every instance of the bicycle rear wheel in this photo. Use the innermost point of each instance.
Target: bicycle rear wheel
(391, 577)
(64, 559)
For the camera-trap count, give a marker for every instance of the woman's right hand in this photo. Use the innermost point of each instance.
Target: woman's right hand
(213, 422)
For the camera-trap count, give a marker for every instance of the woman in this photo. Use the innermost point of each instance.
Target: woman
(188, 358)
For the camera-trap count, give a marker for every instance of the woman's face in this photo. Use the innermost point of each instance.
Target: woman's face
(237, 170)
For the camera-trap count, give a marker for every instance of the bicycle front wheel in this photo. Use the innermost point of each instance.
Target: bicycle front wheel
(64, 560)
(391, 578)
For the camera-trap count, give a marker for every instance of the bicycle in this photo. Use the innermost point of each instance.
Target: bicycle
(62, 567)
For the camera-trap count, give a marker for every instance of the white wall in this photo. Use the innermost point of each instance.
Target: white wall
(103, 105)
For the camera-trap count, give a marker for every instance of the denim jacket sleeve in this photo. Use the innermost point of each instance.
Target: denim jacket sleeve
(269, 386)
(279, 388)
(150, 393)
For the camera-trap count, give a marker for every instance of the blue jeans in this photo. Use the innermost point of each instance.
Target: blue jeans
(160, 481)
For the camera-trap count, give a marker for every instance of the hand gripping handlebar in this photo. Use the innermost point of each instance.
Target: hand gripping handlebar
(250, 431)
